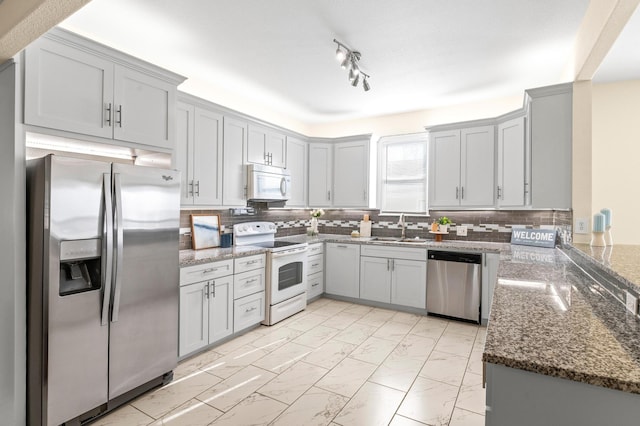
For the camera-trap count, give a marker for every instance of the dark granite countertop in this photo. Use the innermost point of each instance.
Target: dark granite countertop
(620, 260)
(549, 317)
(196, 257)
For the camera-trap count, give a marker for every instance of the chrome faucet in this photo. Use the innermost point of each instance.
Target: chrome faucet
(403, 224)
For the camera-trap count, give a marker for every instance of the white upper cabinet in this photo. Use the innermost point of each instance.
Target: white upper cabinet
(234, 176)
(199, 155)
(511, 163)
(75, 85)
(351, 174)
(320, 174)
(462, 167)
(551, 116)
(266, 146)
(297, 167)
(477, 168)
(444, 167)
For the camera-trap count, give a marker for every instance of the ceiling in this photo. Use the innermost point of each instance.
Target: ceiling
(420, 54)
(623, 60)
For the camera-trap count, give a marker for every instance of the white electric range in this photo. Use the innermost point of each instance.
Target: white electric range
(286, 278)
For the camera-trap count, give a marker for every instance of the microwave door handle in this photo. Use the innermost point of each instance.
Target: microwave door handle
(283, 186)
(119, 246)
(107, 248)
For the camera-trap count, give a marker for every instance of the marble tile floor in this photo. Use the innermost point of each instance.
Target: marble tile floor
(336, 363)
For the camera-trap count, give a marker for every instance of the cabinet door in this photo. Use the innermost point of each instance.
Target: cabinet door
(444, 169)
(375, 279)
(351, 170)
(342, 272)
(144, 109)
(297, 167)
(315, 285)
(68, 89)
(477, 168)
(409, 283)
(220, 308)
(194, 318)
(233, 182)
(511, 163)
(207, 160)
(184, 151)
(276, 148)
(320, 175)
(256, 145)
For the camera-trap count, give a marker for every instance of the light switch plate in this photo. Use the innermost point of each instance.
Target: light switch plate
(461, 230)
(632, 303)
(582, 226)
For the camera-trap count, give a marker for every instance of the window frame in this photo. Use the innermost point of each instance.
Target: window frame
(381, 179)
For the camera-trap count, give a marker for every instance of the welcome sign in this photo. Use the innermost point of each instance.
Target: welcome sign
(533, 237)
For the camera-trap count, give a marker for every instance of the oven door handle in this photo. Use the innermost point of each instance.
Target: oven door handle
(288, 252)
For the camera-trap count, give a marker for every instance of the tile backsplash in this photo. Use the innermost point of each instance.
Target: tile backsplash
(482, 225)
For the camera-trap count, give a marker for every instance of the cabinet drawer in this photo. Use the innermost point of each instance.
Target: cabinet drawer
(248, 311)
(206, 271)
(248, 283)
(315, 285)
(315, 264)
(409, 253)
(315, 249)
(249, 263)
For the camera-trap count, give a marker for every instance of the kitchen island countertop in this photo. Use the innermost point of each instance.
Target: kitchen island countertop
(549, 317)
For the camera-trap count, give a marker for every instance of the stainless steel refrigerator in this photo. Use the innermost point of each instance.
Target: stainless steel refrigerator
(103, 285)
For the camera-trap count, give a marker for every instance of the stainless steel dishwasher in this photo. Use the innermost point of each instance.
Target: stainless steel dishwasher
(454, 284)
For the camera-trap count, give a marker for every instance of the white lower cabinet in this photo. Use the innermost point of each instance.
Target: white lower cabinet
(206, 313)
(215, 303)
(248, 311)
(394, 275)
(342, 276)
(489, 277)
(315, 270)
(248, 291)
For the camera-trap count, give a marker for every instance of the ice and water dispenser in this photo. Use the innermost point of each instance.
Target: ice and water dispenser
(80, 266)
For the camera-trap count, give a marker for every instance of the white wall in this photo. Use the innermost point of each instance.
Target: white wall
(616, 156)
(413, 122)
(12, 254)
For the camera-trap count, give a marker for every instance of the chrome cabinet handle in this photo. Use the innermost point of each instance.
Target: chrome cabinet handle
(253, 308)
(313, 265)
(119, 112)
(109, 116)
(341, 246)
(456, 192)
(197, 188)
(213, 288)
(393, 264)
(364, 196)
(191, 189)
(498, 192)
(315, 285)
(329, 195)
(251, 281)
(206, 290)
(462, 192)
(283, 186)
(388, 264)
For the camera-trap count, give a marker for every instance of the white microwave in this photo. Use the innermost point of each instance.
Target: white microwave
(267, 183)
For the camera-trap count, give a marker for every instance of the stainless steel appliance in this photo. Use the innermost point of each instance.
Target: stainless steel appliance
(267, 183)
(102, 285)
(286, 278)
(454, 284)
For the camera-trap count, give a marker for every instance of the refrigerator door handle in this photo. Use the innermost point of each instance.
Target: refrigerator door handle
(107, 248)
(119, 231)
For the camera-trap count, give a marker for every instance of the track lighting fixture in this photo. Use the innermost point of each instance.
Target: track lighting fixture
(349, 59)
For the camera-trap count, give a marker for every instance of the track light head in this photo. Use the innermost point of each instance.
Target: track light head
(354, 83)
(365, 85)
(345, 62)
(340, 55)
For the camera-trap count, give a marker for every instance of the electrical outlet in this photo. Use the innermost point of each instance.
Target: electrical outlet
(582, 226)
(461, 230)
(632, 303)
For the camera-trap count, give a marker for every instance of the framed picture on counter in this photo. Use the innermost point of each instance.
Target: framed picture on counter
(205, 231)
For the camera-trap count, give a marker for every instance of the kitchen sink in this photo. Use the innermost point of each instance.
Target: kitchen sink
(399, 240)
